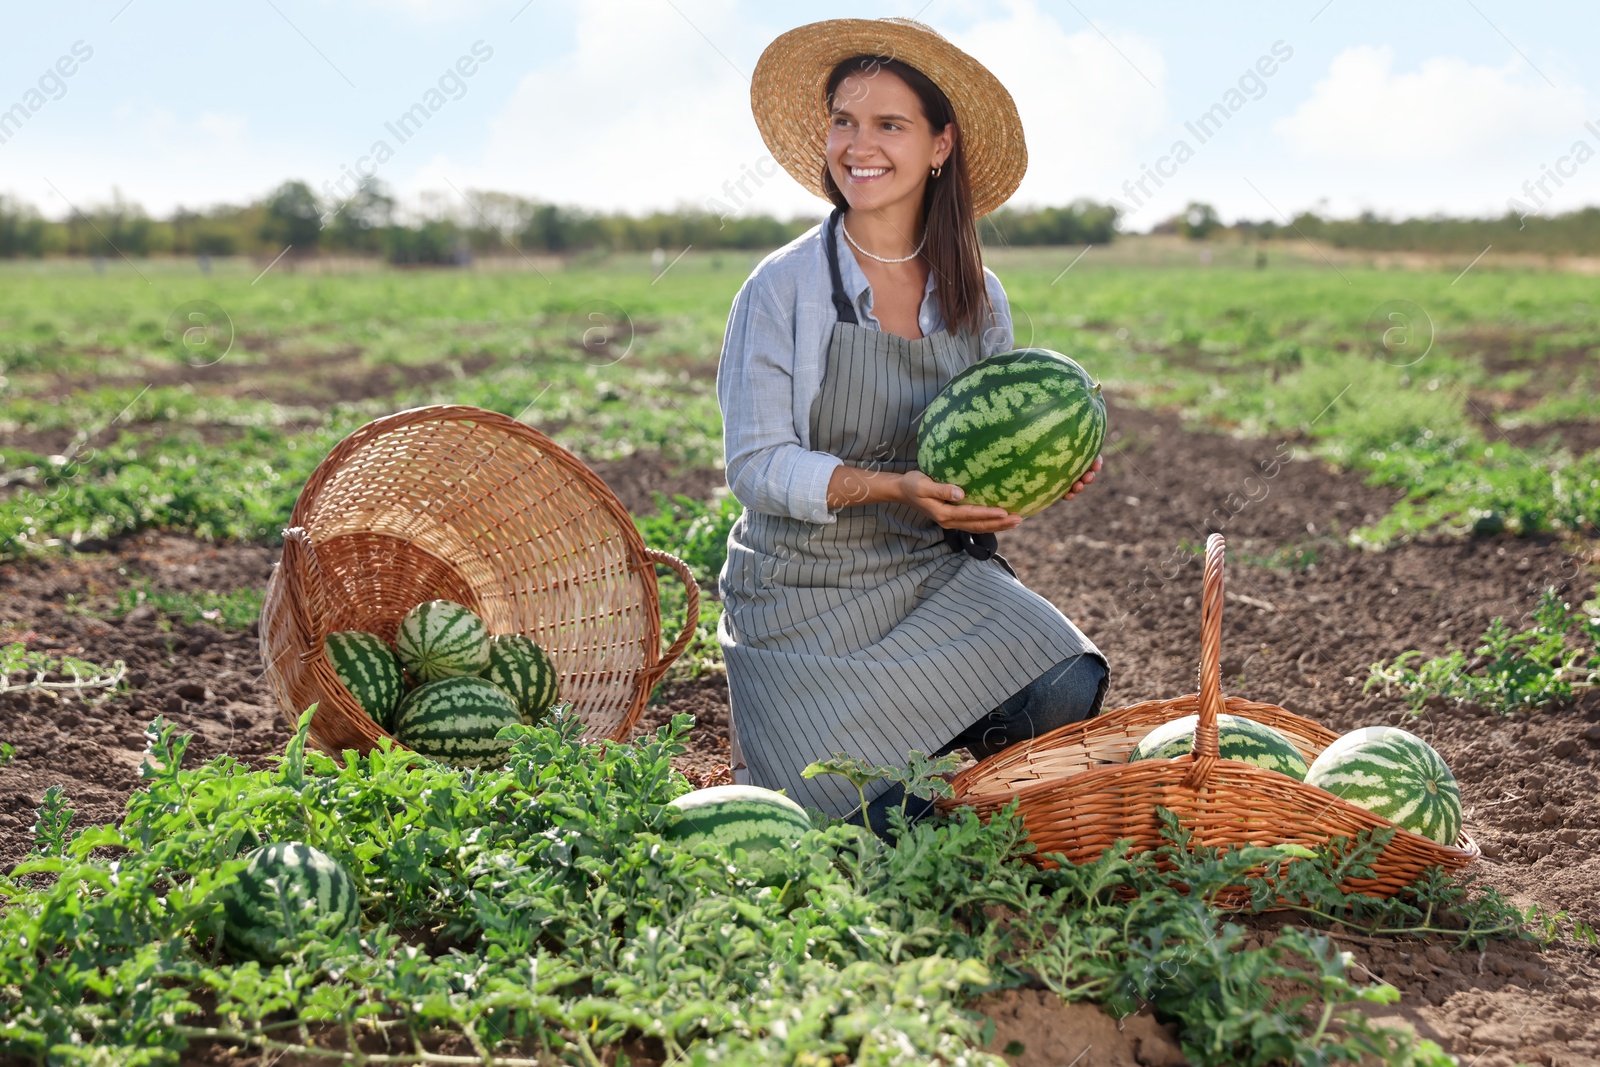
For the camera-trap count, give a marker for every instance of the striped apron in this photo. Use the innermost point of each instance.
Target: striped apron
(869, 635)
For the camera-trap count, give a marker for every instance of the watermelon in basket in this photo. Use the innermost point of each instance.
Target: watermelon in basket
(1077, 791)
(450, 502)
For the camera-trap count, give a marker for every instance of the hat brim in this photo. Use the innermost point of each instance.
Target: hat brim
(787, 98)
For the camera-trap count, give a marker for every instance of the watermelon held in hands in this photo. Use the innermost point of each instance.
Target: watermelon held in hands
(454, 720)
(519, 666)
(288, 887)
(369, 670)
(1238, 738)
(738, 816)
(1014, 431)
(442, 639)
(1396, 775)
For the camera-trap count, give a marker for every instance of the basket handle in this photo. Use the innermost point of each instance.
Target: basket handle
(303, 588)
(691, 614)
(1206, 753)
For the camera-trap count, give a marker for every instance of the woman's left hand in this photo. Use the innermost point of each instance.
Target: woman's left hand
(1088, 476)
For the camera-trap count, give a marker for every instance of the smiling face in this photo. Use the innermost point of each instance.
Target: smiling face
(880, 145)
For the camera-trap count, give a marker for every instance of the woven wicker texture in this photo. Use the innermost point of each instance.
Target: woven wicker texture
(787, 98)
(1077, 794)
(459, 503)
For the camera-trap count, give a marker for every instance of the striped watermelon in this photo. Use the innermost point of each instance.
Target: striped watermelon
(368, 668)
(1238, 738)
(440, 639)
(1396, 775)
(454, 720)
(1013, 431)
(519, 666)
(739, 816)
(288, 887)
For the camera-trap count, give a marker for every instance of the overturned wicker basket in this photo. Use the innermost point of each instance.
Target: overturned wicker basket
(1077, 793)
(456, 502)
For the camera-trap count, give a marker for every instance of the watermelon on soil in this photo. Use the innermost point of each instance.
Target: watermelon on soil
(441, 639)
(288, 887)
(1396, 775)
(739, 816)
(454, 720)
(1013, 431)
(368, 668)
(1238, 738)
(519, 666)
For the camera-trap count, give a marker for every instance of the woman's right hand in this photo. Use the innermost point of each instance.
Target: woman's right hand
(937, 500)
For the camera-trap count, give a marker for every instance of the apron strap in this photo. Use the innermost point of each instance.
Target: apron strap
(841, 303)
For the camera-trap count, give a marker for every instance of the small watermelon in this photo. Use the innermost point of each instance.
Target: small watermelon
(1238, 738)
(1396, 775)
(441, 639)
(1014, 430)
(739, 816)
(288, 887)
(454, 720)
(368, 668)
(519, 666)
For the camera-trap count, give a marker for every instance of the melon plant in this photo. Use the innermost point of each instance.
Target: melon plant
(455, 720)
(738, 816)
(369, 669)
(288, 887)
(1014, 431)
(519, 666)
(1238, 738)
(1396, 775)
(441, 639)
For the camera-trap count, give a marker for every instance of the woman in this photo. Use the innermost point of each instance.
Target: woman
(864, 608)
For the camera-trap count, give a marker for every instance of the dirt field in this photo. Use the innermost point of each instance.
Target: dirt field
(1302, 639)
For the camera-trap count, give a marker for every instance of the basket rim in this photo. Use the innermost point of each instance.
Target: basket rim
(1113, 721)
(1070, 784)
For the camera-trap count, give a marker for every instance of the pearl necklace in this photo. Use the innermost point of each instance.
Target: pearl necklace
(915, 252)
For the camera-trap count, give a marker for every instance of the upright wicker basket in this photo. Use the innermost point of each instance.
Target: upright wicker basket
(1077, 793)
(456, 502)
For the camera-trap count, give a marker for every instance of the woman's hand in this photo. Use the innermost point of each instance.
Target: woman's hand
(937, 501)
(1088, 476)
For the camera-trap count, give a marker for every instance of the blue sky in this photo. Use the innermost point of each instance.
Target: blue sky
(1400, 108)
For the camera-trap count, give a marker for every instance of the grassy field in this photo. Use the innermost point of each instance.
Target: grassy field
(233, 385)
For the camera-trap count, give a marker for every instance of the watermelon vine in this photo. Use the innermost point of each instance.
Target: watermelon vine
(540, 913)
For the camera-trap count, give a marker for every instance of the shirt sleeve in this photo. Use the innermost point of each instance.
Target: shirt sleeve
(767, 468)
(999, 335)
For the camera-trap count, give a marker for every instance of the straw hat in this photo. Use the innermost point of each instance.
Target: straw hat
(787, 97)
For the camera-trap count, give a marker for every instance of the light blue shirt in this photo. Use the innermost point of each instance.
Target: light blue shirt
(771, 370)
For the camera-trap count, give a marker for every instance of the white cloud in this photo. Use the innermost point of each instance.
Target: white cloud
(1446, 111)
(1085, 102)
(226, 129)
(647, 111)
(437, 10)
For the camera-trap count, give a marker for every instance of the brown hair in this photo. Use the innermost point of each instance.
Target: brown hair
(952, 249)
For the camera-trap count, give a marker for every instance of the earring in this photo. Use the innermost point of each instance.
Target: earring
(937, 170)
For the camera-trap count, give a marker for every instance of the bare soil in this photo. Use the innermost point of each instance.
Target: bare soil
(1122, 561)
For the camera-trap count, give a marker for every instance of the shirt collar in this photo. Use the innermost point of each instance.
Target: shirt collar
(855, 280)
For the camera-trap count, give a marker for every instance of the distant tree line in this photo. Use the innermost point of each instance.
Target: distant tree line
(1574, 233)
(371, 223)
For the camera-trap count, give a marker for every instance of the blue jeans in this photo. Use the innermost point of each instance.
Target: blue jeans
(1069, 692)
